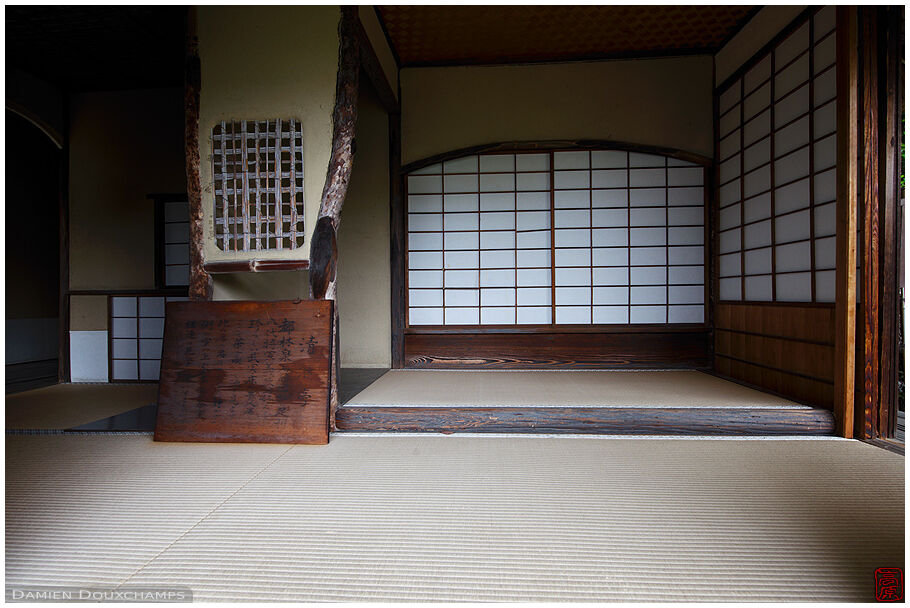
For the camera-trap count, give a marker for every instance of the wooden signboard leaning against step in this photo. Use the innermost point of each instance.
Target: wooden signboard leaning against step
(254, 372)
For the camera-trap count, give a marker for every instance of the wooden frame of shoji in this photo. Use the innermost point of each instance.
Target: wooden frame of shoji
(776, 164)
(469, 264)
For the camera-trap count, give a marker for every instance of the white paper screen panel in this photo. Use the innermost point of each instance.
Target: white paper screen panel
(556, 238)
(777, 146)
(136, 334)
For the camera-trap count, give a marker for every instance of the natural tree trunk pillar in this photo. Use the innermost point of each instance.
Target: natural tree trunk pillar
(323, 247)
(200, 282)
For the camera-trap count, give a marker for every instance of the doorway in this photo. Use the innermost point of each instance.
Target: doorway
(32, 255)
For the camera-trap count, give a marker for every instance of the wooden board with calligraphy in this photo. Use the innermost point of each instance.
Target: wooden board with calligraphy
(246, 372)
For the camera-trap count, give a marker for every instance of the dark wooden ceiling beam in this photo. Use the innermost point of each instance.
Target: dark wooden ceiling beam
(371, 66)
(612, 56)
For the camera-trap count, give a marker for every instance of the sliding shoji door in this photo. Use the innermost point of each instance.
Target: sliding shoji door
(777, 152)
(776, 197)
(557, 238)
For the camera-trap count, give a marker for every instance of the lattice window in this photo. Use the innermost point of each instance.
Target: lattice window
(258, 169)
(581, 237)
(777, 151)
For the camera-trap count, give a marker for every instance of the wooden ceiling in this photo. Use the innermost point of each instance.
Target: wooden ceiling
(462, 35)
(82, 48)
(116, 47)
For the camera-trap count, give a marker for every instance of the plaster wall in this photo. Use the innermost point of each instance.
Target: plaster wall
(124, 145)
(363, 251)
(364, 279)
(662, 102)
(265, 63)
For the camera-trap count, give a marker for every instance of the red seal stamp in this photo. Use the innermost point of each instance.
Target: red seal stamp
(889, 584)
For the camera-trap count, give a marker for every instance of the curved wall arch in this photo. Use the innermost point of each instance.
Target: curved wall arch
(558, 144)
(36, 101)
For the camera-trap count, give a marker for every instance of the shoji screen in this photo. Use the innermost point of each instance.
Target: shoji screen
(137, 333)
(577, 237)
(777, 152)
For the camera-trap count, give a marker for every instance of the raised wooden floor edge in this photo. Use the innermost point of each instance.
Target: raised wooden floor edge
(594, 420)
(892, 445)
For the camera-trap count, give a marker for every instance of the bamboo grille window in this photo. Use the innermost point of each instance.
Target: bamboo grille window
(574, 237)
(258, 170)
(777, 156)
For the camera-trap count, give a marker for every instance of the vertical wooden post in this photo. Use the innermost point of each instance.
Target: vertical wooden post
(889, 56)
(867, 420)
(847, 183)
(323, 247)
(63, 308)
(397, 229)
(200, 282)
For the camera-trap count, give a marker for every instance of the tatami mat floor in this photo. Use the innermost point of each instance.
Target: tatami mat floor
(65, 406)
(118, 406)
(75, 405)
(569, 388)
(457, 518)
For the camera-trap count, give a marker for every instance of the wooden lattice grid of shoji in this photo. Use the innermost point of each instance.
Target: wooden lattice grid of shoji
(136, 336)
(777, 155)
(559, 237)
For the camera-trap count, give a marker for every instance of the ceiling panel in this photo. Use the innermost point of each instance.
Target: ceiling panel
(453, 35)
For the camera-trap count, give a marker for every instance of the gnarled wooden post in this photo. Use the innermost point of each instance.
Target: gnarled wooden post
(323, 247)
(200, 281)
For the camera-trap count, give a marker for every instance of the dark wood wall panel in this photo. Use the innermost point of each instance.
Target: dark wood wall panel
(558, 350)
(785, 384)
(786, 349)
(810, 323)
(801, 358)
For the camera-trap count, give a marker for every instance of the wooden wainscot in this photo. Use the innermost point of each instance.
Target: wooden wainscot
(246, 372)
